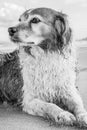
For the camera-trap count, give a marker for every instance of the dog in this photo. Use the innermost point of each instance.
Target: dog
(40, 78)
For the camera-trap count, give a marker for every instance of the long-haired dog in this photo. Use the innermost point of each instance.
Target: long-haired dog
(41, 76)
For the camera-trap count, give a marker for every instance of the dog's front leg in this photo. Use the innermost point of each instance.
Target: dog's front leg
(75, 104)
(50, 111)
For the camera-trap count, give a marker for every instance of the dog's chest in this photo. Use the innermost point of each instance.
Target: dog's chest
(44, 74)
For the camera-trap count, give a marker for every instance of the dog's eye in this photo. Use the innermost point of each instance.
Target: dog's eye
(35, 20)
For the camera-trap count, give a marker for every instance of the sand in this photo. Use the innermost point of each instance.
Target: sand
(16, 120)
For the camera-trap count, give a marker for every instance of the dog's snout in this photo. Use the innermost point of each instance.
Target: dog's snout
(12, 30)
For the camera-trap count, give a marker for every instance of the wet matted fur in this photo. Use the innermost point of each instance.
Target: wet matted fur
(41, 77)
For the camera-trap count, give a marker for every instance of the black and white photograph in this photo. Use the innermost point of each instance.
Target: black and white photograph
(43, 65)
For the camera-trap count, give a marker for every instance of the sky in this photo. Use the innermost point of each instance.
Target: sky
(75, 9)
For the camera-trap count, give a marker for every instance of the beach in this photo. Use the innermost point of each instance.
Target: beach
(11, 119)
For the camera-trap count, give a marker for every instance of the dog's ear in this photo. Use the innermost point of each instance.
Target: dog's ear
(62, 29)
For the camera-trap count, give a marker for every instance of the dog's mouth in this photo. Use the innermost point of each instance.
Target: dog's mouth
(19, 42)
(15, 39)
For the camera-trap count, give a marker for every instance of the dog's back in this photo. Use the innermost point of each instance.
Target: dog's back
(11, 80)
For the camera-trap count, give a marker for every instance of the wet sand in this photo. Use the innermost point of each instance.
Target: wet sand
(16, 120)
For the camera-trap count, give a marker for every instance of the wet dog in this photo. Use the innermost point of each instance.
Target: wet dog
(41, 76)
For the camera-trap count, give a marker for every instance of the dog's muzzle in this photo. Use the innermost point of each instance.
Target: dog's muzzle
(12, 31)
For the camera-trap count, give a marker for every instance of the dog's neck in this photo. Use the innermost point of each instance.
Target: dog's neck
(30, 52)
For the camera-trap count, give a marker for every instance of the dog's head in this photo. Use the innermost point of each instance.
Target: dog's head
(44, 27)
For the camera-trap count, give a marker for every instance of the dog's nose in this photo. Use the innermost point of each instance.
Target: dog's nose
(12, 30)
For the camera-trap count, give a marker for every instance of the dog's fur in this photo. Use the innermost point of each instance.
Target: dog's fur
(41, 77)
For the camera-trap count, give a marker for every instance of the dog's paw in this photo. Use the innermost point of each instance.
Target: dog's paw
(62, 118)
(66, 118)
(82, 119)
